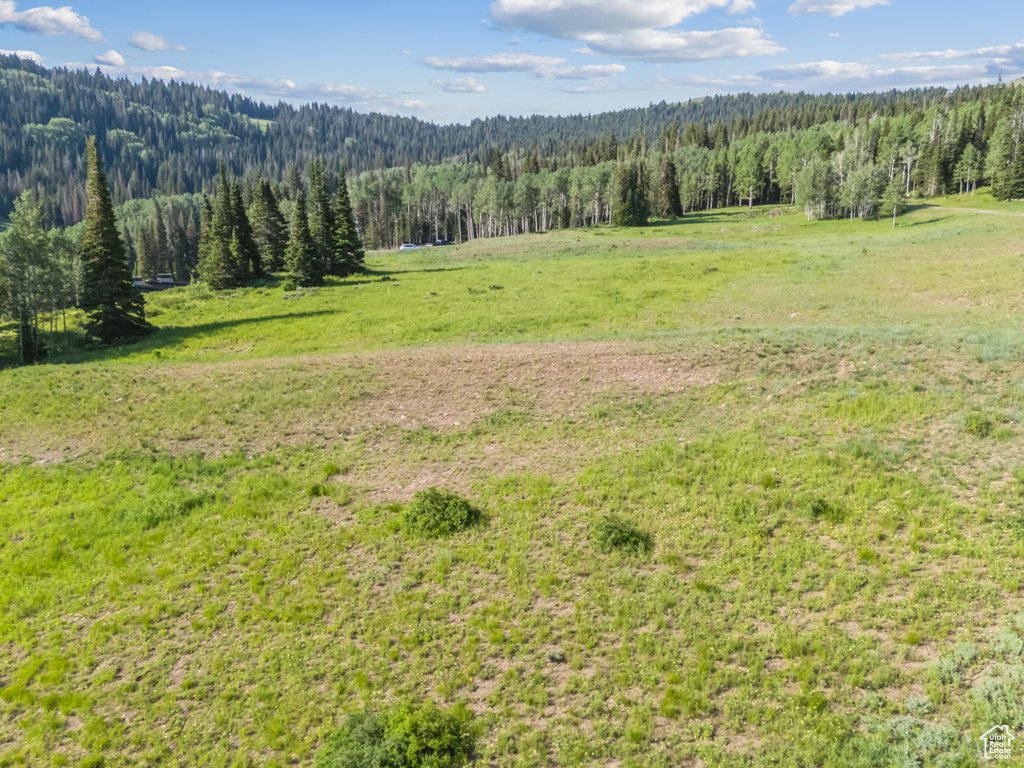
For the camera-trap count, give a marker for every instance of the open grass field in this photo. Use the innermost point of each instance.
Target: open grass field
(820, 425)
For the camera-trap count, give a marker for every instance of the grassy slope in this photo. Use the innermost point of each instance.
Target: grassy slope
(791, 408)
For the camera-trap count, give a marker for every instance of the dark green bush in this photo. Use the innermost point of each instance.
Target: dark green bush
(823, 509)
(978, 424)
(165, 507)
(406, 737)
(615, 534)
(436, 512)
(318, 489)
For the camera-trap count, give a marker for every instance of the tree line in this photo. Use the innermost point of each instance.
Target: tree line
(48, 273)
(168, 139)
(833, 169)
(87, 270)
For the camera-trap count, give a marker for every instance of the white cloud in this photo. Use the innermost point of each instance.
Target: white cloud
(831, 7)
(459, 85)
(111, 58)
(1011, 51)
(657, 45)
(26, 55)
(574, 18)
(856, 74)
(45, 20)
(638, 30)
(147, 41)
(542, 67)
(663, 85)
(834, 34)
(585, 72)
(499, 62)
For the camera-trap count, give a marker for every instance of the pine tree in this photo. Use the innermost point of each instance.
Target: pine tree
(147, 254)
(269, 228)
(347, 243)
(632, 208)
(129, 251)
(116, 309)
(226, 262)
(248, 258)
(205, 235)
(321, 219)
(216, 268)
(304, 265)
(177, 244)
(667, 199)
(161, 254)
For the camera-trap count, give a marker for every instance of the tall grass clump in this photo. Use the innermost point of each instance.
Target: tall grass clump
(165, 507)
(978, 424)
(436, 512)
(613, 534)
(406, 737)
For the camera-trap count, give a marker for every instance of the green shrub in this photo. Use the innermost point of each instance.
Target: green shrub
(165, 507)
(436, 512)
(823, 509)
(318, 489)
(613, 533)
(406, 737)
(978, 424)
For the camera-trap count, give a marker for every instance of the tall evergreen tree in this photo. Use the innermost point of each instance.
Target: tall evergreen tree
(667, 195)
(147, 262)
(248, 258)
(632, 205)
(161, 254)
(269, 228)
(348, 246)
(116, 309)
(216, 264)
(129, 251)
(304, 264)
(321, 218)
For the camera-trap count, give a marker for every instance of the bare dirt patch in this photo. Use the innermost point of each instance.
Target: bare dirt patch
(450, 387)
(322, 399)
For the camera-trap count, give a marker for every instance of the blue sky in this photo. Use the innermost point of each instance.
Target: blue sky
(458, 60)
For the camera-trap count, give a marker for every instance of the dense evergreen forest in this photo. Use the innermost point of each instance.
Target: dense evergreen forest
(169, 138)
(220, 188)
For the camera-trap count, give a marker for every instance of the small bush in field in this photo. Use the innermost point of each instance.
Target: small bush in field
(436, 512)
(978, 424)
(165, 507)
(615, 534)
(406, 737)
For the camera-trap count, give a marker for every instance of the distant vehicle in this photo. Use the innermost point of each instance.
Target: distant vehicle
(161, 282)
(408, 247)
(441, 242)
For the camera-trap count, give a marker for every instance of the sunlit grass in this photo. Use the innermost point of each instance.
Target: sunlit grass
(202, 558)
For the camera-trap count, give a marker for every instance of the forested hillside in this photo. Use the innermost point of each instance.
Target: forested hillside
(222, 189)
(168, 138)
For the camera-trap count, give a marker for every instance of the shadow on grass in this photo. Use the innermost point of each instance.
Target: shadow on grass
(161, 338)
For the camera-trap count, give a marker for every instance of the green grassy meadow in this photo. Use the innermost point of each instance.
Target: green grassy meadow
(820, 424)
